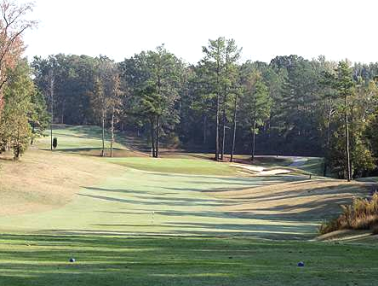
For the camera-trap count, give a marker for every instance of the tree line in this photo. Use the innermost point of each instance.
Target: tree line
(290, 106)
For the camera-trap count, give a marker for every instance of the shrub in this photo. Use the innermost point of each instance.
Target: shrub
(329, 226)
(362, 214)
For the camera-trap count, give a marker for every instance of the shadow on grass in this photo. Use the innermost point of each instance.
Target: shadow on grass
(272, 231)
(154, 201)
(118, 260)
(315, 209)
(95, 133)
(79, 131)
(305, 192)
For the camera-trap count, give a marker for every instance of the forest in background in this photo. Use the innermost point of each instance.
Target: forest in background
(290, 106)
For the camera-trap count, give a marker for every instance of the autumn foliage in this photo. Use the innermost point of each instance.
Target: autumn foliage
(12, 26)
(361, 214)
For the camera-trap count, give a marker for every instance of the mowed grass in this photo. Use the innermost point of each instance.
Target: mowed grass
(168, 222)
(369, 179)
(116, 260)
(75, 138)
(313, 166)
(177, 165)
(69, 193)
(85, 140)
(130, 201)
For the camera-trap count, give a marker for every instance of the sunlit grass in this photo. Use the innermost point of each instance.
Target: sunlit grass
(177, 165)
(181, 220)
(117, 260)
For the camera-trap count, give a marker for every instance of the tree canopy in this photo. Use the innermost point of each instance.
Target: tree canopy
(289, 106)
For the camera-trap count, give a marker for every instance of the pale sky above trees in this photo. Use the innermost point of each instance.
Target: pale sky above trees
(338, 29)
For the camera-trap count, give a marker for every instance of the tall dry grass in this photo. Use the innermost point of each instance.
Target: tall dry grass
(361, 214)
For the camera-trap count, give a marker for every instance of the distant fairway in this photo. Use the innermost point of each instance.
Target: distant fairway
(132, 201)
(68, 193)
(84, 140)
(170, 221)
(179, 165)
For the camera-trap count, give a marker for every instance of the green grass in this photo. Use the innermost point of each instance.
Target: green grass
(177, 165)
(116, 260)
(272, 161)
(368, 179)
(77, 139)
(160, 203)
(312, 166)
(163, 196)
(163, 222)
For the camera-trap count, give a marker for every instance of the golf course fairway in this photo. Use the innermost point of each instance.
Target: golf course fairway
(134, 220)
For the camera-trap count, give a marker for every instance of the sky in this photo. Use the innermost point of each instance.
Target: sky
(337, 29)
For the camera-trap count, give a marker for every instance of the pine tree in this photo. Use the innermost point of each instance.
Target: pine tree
(219, 61)
(256, 105)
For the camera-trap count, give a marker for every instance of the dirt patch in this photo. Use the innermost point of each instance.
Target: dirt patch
(42, 180)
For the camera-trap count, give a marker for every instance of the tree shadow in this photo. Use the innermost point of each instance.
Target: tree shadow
(160, 201)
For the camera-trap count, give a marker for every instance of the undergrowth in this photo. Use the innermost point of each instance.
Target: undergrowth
(362, 214)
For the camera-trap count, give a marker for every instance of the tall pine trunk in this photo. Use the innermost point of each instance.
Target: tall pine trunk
(204, 130)
(52, 108)
(234, 129)
(224, 131)
(152, 137)
(217, 111)
(347, 143)
(62, 113)
(157, 137)
(112, 133)
(327, 143)
(217, 130)
(253, 140)
(103, 132)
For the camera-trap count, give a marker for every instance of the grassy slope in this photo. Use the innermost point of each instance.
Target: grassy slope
(43, 180)
(115, 203)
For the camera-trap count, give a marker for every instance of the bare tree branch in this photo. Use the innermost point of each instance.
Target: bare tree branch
(12, 26)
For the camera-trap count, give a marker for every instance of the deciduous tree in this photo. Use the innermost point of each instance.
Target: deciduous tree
(15, 130)
(13, 24)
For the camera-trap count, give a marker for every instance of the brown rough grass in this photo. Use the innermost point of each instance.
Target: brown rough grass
(361, 214)
(300, 200)
(41, 180)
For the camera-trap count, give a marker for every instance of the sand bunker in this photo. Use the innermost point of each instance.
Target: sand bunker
(261, 171)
